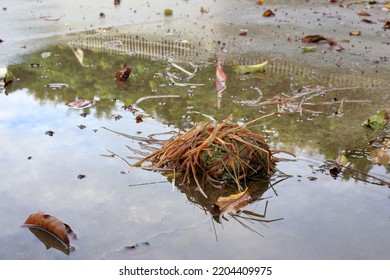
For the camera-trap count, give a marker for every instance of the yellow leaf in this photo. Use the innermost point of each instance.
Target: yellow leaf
(233, 203)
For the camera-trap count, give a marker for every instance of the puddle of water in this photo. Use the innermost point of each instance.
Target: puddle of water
(111, 209)
(116, 211)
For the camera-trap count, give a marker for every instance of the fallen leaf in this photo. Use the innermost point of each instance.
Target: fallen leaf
(81, 176)
(220, 78)
(355, 33)
(250, 69)
(313, 39)
(124, 73)
(309, 49)
(363, 14)
(337, 166)
(117, 2)
(233, 203)
(243, 32)
(81, 126)
(260, 2)
(379, 120)
(80, 103)
(52, 225)
(203, 10)
(386, 25)
(138, 119)
(168, 12)
(368, 21)
(268, 13)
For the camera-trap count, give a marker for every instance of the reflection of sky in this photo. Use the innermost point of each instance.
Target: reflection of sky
(325, 218)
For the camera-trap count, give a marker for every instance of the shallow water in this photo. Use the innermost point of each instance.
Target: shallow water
(114, 207)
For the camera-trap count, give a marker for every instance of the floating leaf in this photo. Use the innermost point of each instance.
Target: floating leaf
(268, 13)
(233, 203)
(250, 69)
(124, 73)
(220, 78)
(379, 120)
(367, 21)
(313, 39)
(80, 103)
(168, 12)
(309, 49)
(363, 14)
(52, 225)
(243, 32)
(336, 167)
(138, 119)
(259, 2)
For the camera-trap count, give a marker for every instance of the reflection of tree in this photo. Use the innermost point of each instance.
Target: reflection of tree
(323, 133)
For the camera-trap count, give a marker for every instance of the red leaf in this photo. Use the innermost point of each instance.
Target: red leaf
(220, 79)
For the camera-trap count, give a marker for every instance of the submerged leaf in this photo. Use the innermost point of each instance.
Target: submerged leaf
(250, 69)
(379, 120)
(50, 224)
(233, 203)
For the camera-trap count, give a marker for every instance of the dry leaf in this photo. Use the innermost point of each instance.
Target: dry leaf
(138, 119)
(367, 21)
(259, 2)
(50, 224)
(363, 14)
(313, 39)
(123, 74)
(336, 167)
(268, 13)
(233, 203)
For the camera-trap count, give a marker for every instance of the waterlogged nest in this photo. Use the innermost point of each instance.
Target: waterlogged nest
(215, 154)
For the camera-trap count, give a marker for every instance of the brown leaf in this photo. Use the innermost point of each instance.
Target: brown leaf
(233, 203)
(363, 14)
(387, 25)
(123, 74)
(368, 21)
(313, 39)
(268, 13)
(50, 224)
(138, 119)
(243, 32)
